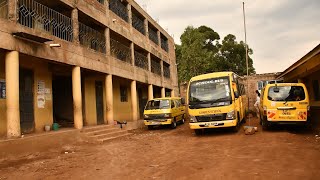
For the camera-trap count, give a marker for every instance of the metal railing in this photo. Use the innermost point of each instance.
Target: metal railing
(156, 66)
(138, 24)
(91, 38)
(164, 44)
(141, 60)
(120, 51)
(37, 16)
(153, 36)
(4, 9)
(101, 1)
(166, 70)
(119, 9)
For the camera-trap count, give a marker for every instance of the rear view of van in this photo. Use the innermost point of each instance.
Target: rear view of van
(284, 103)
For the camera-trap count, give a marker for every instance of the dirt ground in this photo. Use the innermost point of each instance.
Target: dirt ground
(282, 153)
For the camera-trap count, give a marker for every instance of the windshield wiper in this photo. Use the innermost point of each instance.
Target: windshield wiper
(220, 100)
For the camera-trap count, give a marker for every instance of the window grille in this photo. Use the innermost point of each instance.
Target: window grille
(153, 36)
(119, 8)
(120, 51)
(141, 60)
(138, 23)
(166, 70)
(91, 38)
(4, 9)
(123, 94)
(156, 66)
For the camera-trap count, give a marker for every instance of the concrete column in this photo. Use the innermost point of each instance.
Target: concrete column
(159, 38)
(150, 92)
(107, 36)
(149, 61)
(163, 92)
(12, 10)
(106, 3)
(129, 14)
(132, 53)
(77, 97)
(109, 96)
(172, 93)
(134, 100)
(146, 27)
(75, 25)
(12, 94)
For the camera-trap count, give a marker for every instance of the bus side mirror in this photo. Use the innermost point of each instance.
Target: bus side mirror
(236, 94)
(183, 101)
(276, 89)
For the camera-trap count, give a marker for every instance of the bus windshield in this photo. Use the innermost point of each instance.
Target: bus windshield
(158, 104)
(215, 92)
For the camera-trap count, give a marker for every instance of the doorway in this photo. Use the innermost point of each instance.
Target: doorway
(99, 102)
(26, 101)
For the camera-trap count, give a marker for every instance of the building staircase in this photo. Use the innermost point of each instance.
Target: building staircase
(103, 133)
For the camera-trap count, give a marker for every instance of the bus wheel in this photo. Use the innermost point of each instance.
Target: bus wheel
(198, 132)
(182, 121)
(174, 124)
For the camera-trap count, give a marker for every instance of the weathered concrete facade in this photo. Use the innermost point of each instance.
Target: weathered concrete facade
(108, 51)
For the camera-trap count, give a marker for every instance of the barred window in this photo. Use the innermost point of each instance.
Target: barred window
(119, 8)
(123, 94)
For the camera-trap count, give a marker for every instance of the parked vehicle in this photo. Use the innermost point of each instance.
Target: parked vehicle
(216, 100)
(284, 103)
(164, 111)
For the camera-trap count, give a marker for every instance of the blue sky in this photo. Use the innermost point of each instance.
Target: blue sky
(280, 32)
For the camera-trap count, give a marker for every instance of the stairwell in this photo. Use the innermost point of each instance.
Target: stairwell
(103, 133)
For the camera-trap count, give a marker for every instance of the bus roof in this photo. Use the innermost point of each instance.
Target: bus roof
(211, 75)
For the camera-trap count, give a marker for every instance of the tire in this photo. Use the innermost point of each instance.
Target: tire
(198, 132)
(237, 127)
(182, 121)
(150, 127)
(174, 124)
(265, 124)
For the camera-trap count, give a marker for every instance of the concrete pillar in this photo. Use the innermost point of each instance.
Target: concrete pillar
(106, 3)
(12, 94)
(107, 36)
(75, 25)
(159, 38)
(149, 61)
(109, 100)
(134, 100)
(163, 92)
(132, 53)
(150, 92)
(129, 14)
(146, 27)
(77, 97)
(172, 93)
(12, 10)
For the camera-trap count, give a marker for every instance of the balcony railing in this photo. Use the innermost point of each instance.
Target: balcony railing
(91, 38)
(119, 9)
(153, 36)
(166, 70)
(138, 24)
(37, 16)
(156, 66)
(141, 60)
(4, 9)
(164, 44)
(120, 51)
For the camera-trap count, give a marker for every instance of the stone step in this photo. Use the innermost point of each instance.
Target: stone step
(100, 132)
(110, 134)
(114, 137)
(96, 128)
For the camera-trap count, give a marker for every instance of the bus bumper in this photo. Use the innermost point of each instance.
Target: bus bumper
(157, 122)
(213, 124)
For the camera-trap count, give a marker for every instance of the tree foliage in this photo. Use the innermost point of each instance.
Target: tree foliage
(200, 52)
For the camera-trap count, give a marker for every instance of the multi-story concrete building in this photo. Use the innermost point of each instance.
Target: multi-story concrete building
(79, 63)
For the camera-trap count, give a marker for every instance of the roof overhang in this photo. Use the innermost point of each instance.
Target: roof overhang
(31, 37)
(303, 60)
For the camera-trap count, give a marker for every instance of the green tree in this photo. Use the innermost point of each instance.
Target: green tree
(200, 52)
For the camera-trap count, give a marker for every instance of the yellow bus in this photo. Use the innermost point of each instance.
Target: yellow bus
(216, 100)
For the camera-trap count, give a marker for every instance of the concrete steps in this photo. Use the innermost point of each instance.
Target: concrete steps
(103, 133)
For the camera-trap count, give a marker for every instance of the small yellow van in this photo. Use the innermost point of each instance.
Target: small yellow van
(164, 111)
(284, 103)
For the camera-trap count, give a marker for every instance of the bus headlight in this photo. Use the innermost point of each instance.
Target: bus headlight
(146, 116)
(231, 115)
(193, 119)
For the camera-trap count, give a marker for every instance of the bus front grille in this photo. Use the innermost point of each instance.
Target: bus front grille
(211, 117)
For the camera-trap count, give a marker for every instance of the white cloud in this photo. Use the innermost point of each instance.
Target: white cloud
(280, 32)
